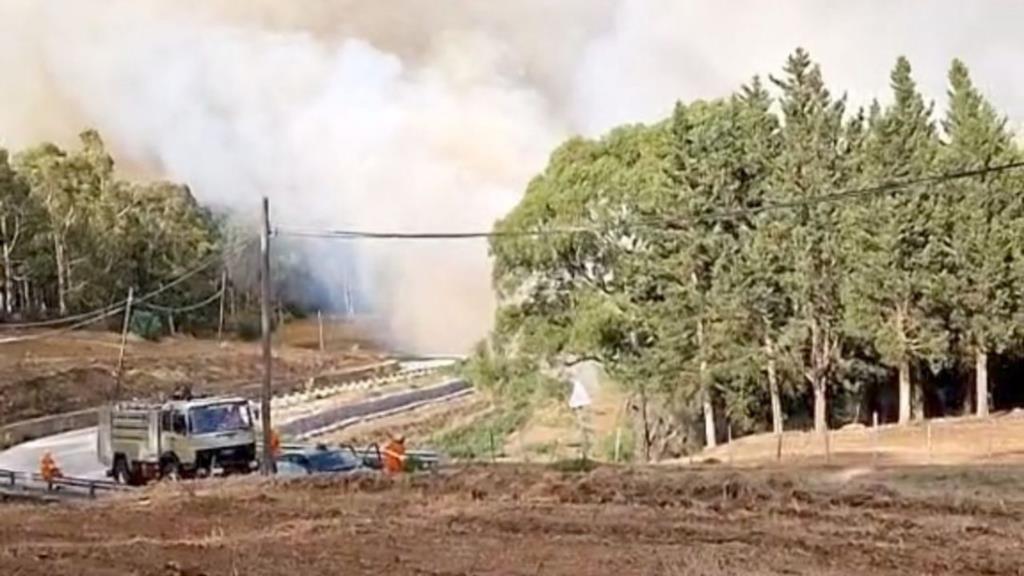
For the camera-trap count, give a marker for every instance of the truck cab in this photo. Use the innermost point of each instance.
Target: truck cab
(177, 439)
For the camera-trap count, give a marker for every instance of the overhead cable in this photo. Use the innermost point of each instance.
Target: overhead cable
(903, 186)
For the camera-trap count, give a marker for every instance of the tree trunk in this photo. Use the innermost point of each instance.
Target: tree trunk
(819, 352)
(917, 407)
(645, 423)
(8, 270)
(26, 295)
(820, 404)
(981, 381)
(58, 254)
(8, 280)
(967, 408)
(905, 391)
(710, 439)
(773, 386)
(905, 385)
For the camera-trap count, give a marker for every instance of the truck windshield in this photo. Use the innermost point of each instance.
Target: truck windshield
(220, 418)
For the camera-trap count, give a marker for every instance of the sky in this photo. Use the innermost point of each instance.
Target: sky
(427, 116)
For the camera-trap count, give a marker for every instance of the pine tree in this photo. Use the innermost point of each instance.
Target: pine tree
(812, 163)
(981, 221)
(723, 152)
(755, 306)
(889, 237)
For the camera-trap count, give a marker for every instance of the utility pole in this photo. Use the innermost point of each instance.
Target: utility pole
(223, 295)
(124, 342)
(267, 464)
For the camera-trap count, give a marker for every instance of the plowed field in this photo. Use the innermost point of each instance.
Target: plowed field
(530, 520)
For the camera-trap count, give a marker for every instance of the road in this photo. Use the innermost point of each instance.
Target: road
(75, 451)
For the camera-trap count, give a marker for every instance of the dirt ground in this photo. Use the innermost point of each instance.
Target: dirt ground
(966, 440)
(77, 370)
(531, 520)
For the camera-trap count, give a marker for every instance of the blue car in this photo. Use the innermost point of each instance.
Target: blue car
(317, 460)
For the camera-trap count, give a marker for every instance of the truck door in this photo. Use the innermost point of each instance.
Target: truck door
(179, 435)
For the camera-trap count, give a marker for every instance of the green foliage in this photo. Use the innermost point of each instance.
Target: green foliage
(248, 327)
(76, 237)
(627, 445)
(980, 272)
(483, 438)
(511, 379)
(146, 325)
(691, 295)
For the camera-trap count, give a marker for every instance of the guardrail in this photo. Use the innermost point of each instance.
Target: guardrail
(30, 483)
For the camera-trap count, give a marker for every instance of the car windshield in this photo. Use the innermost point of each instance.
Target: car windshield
(220, 418)
(331, 461)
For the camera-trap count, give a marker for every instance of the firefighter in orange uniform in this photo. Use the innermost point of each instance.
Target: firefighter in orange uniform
(275, 443)
(48, 468)
(394, 454)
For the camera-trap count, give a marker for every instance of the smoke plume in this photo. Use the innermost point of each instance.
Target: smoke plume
(426, 116)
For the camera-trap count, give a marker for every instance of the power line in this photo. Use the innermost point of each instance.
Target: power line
(65, 330)
(117, 308)
(55, 321)
(367, 235)
(904, 186)
(188, 307)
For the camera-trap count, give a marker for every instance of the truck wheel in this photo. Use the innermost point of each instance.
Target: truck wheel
(170, 470)
(122, 473)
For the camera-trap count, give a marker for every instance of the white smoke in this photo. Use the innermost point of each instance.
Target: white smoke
(426, 116)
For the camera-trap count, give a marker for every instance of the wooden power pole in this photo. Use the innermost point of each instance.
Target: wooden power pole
(267, 463)
(124, 343)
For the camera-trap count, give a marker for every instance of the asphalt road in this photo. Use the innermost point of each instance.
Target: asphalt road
(75, 451)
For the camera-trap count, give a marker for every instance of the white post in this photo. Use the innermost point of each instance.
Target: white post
(320, 326)
(874, 437)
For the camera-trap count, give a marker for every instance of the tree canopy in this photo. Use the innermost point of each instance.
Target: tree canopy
(749, 259)
(74, 237)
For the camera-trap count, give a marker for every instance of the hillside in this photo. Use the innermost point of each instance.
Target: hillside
(66, 372)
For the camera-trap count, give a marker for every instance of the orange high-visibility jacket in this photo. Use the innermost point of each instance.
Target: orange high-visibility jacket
(48, 468)
(394, 456)
(275, 443)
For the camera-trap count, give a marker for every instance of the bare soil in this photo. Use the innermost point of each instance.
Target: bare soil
(965, 440)
(530, 520)
(75, 371)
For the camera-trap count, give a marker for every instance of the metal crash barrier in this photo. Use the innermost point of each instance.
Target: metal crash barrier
(25, 483)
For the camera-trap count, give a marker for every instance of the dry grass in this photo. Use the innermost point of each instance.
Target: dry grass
(531, 520)
(967, 440)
